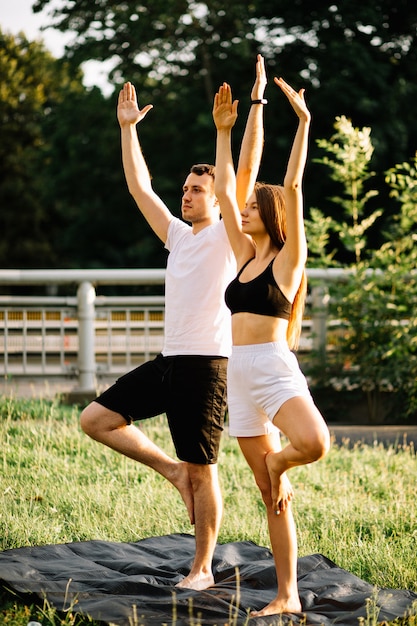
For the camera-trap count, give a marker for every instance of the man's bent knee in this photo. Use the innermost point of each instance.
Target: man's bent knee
(95, 419)
(88, 419)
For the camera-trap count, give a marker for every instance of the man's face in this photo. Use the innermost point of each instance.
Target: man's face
(198, 200)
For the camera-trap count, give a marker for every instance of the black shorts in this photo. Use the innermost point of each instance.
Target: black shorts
(191, 390)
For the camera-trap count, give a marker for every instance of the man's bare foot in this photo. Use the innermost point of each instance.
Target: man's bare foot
(181, 480)
(283, 605)
(281, 488)
(198, 582)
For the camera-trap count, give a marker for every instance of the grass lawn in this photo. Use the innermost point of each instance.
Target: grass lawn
(357, 506)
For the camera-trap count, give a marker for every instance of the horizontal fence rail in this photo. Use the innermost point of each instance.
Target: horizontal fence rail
(88, 336)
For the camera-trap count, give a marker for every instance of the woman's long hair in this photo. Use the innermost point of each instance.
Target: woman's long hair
(271, 205)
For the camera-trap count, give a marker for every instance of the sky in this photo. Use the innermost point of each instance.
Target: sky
(17, 15)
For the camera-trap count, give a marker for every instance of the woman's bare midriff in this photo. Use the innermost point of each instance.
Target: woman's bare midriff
(249, 328)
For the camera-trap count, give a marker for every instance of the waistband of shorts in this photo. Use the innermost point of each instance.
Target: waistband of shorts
(261, 348)
(192, 357)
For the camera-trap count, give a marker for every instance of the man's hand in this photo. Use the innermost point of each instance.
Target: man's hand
(128, 112)
(224, 109)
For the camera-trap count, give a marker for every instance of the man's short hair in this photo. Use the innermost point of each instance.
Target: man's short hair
(203, 168)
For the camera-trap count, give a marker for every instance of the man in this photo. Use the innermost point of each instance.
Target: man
(188, 380)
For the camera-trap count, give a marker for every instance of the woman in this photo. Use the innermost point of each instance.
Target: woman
(267, 392)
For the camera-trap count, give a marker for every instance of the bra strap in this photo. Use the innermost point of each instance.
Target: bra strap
(243, 267)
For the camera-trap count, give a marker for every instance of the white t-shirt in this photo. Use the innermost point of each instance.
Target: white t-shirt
(199, 268)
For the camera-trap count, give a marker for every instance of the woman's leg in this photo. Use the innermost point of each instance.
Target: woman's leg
(281, 527)
(309, 440)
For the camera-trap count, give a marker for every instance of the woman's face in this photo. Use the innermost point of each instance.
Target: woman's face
(252, 223)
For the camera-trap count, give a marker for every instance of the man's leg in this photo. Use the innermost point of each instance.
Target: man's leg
(208, 509)
(198, 404)
(109, 427)
(112, 430)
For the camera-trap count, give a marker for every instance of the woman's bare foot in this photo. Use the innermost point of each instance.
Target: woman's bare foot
(181, 480)
(197, 582)
(281, 488)
(280, 605)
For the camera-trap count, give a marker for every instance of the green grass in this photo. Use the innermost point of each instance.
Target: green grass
(357, 506)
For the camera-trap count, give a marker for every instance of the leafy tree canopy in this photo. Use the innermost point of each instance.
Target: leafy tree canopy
(63, 197)
(356, 59)
(61, 170)
(32, 83)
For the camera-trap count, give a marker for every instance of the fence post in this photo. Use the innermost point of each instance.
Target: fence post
(86, 389)
(320, 301)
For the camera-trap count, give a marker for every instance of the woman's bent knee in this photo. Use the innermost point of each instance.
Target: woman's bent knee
(319, 445)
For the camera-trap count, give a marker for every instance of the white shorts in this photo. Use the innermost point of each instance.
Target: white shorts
(260, 378)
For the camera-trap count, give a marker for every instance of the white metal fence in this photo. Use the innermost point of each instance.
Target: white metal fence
(39, 335)
(87, 336)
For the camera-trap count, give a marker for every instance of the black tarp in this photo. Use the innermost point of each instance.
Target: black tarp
(120, 582)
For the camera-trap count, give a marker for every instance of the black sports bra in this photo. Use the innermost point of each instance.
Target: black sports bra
(261, 295)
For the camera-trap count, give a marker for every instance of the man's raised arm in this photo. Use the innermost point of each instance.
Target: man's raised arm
(136, 171)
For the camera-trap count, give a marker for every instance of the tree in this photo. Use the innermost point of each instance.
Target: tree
(349, 152)
(63, 197)
(355, 59)
(376, 344)
(30, 80)
(99, 224)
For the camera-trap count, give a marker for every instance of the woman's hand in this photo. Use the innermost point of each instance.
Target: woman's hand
(258, 88)
(224, 108)
(295, 98)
